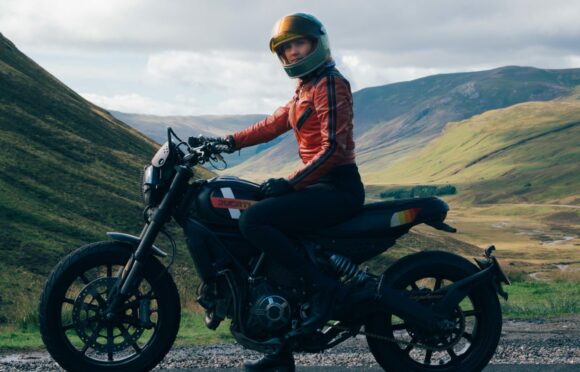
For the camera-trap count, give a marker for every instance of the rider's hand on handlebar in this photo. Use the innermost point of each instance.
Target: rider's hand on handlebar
(229, 142)
(276, 187)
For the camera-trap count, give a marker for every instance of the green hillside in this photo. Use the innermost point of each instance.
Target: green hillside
(525, 153)
(397, 120)
(69, 172)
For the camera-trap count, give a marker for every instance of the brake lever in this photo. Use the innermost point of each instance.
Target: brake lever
(219, 157)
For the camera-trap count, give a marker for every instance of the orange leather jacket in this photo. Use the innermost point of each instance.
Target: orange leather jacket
(320, 113)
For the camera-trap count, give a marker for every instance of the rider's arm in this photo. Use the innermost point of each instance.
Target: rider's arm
(333, 105)
(264, 130)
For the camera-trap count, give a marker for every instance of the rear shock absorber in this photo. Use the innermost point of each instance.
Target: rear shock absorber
(346, 268)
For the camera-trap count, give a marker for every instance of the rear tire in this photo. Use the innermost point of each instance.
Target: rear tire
(478, 321)
(71, 322)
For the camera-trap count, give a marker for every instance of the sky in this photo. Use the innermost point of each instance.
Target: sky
(186, 57)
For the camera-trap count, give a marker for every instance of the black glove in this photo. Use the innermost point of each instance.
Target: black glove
(230, 142)
(227, 141)
(276, 187)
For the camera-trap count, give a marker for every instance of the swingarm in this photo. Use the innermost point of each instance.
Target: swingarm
(430, 309)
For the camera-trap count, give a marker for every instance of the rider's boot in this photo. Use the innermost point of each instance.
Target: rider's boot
(283, 362)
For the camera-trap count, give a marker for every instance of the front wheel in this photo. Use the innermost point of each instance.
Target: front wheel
(468, 346)
(81, 337)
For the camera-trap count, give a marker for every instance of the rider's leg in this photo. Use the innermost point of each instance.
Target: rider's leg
(266, 224)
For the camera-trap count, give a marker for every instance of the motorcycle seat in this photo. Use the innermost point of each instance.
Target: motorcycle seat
(389, 218)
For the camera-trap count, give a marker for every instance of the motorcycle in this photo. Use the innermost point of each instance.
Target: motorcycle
(113, 305)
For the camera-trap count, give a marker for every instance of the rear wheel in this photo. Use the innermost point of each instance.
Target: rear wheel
(76, 329)
(467, 346)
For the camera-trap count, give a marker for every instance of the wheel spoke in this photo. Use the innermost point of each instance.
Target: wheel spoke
(398, 327)
(131, 321)
(131, 304)
(126, 334)
(88, 305)
(97, 296)
(124, 331)
(470, 313)
(438, 282)
(84, 349)
(109, 270)
(414, 286)
(468, 337)
(68, 326)
(110, 343)
(91, 340)
(452, 354)
(428, 355)
(410, 346)
(89, 319)
(68, 301)
(84, 278)
(138, 349)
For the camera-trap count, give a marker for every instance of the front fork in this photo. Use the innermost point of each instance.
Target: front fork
(132, 272)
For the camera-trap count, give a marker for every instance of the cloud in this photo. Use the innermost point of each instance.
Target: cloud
(214, 53)
(135, 103)
(232, 82)
(394, 26)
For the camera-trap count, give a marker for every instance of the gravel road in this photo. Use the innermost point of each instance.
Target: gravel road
(553, 342)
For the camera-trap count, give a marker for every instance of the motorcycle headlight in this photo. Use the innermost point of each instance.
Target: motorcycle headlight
(155, 183)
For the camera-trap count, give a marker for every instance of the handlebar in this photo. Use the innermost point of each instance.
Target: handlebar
(205, 149)
(221, 148)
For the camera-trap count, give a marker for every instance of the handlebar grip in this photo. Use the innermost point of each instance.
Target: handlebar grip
(221, 148)
(201, 140)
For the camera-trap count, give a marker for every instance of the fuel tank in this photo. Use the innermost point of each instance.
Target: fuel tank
(223, 199)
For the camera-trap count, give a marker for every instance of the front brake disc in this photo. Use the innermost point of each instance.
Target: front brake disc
(93, 328)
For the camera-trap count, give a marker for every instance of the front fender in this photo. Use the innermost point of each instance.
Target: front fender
(133, 240)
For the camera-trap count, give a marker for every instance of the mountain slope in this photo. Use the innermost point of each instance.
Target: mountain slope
(154, 126)
(396, 120)
(69, 172)
(525, 153)
(185, 126)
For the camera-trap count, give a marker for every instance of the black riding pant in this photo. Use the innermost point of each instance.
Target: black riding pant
(333, 199)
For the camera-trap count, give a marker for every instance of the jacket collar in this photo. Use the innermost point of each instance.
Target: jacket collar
(316, 73)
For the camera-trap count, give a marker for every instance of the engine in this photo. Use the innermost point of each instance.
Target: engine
(270, 310)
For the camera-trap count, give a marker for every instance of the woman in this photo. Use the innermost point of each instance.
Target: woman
(327, 189)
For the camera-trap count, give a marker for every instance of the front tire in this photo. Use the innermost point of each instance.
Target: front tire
(478, 320)
(72, 325)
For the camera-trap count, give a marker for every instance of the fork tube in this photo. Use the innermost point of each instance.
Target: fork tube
(149, 234)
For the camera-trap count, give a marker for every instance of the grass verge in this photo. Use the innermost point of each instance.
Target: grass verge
(533, 299)
(527, 299)
(193, 331)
